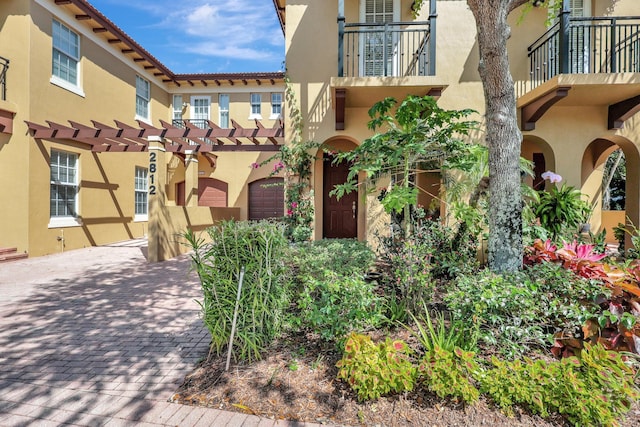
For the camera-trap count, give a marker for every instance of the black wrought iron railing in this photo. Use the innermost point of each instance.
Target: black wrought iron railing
(586, 45)
(4, 66)
(199, 123)
(396, 49)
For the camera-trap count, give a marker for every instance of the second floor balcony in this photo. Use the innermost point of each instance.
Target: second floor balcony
(4, 66)
(393, 49)
(586, 46)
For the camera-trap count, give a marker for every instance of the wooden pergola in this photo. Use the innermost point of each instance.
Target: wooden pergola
(180, 140)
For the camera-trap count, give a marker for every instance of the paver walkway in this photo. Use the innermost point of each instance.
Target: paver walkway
(98, 336)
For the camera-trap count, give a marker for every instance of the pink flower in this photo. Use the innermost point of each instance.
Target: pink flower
(255, 165)
(289, 212)
(294, 205)
(278, 166)
(552, 177)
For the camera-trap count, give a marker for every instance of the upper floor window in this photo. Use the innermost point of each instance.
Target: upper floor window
(143, 96)
(276, 105)
(65, 57)
(177, 107)
(141, 194)
(223, 106)
(64, 188)
(256, 101)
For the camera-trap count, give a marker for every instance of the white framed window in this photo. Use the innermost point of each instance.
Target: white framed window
(65, 61)
(200, 111)
(63, 201)
(223, 106)
(141, 189)
(256, 102)
(143, 96)
(375, 44)
(276, 106)
(177, 107)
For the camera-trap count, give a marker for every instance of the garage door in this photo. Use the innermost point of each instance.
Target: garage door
(266, 198)
(212, 192)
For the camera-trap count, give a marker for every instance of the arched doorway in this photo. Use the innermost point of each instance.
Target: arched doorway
(540, 153)
(335, 218)
(593, 164)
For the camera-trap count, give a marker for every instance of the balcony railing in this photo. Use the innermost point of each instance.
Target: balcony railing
(199, 123)
(4, 66)
(395, 49)
(586, 45)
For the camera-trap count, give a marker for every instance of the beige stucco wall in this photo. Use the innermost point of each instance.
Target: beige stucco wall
(562, 135)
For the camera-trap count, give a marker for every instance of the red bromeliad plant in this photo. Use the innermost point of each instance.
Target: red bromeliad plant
(617, 326)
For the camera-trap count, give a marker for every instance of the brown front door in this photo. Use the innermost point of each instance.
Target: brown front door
(340, 217)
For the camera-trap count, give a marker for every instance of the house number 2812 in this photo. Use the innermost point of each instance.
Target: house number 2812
(152, 173)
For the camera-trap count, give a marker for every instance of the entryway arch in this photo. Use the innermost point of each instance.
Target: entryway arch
(592, 168)
(538, 151)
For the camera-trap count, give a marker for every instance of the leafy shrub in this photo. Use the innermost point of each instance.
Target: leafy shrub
(432, 251)
(343, 257)
(334, 305)
(373, 370)
(518, 312)
(436, 334)
(449, 373)
(260, 248)
(561, 210)
(594, 389)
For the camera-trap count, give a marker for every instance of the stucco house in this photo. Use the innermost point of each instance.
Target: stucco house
(577, 80)
(80, 103)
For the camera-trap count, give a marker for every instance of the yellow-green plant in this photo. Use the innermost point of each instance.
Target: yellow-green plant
(373, 370)
(596, 388)
(449, 373)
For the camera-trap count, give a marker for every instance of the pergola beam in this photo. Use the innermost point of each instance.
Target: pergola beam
(126, 138)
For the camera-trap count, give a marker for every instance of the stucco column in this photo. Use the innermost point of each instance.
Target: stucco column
(191, 178)
(157, 198)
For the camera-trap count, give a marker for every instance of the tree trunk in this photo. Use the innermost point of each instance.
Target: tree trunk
(503, 135)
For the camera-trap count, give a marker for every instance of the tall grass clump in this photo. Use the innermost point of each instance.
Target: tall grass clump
(259, 248)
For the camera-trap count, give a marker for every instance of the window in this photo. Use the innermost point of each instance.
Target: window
(65, 57)
(141, 194)
(177, 107)
(200, 111)
(143, 95)
(256, 100)
(223, 105)
(276, 105)
(64, 188)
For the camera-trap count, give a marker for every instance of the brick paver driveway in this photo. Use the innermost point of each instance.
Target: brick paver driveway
(98, 336)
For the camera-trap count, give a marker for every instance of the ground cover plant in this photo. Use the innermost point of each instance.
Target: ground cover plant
(420, 332)
(477, 340)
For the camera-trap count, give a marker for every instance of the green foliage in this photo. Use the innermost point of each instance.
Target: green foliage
(562, 209)
(416, 261)
(448, 373)
(417, 132)
(373, 370)
(458, 334)
(343, 257)
(518, 312)
(335, 305)
(595, 389)
(261, 249)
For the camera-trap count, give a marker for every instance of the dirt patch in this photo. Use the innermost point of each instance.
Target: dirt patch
(297, 381)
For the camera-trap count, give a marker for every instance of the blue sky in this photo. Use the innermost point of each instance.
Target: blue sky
(203, 36)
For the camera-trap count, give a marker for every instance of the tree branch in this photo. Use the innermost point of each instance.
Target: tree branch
(513, 4)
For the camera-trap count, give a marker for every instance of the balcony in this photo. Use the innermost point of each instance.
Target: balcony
(4, 66)
(584, 46)
(7, 109)
(396, 49)
(584, 62)
(378, 60)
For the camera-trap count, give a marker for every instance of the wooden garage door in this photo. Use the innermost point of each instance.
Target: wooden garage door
(266, 198)
(212, 192)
